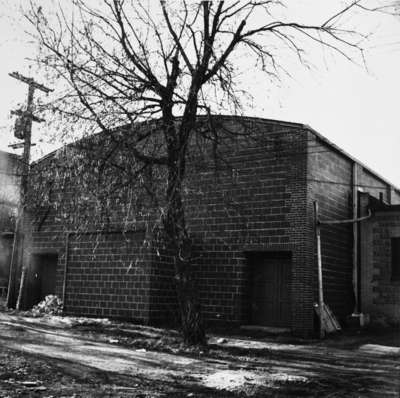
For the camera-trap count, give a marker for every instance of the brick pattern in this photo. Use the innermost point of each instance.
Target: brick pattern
(256, 204)
(107, 275)
(384, 294)
(258, 199)
(330, 184)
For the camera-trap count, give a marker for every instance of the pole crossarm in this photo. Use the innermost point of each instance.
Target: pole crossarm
(30, 115)
(351, 220)
(30, 81)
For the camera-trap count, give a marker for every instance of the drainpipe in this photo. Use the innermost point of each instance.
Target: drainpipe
(355, 238)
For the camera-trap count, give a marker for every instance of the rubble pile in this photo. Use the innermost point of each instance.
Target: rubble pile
(51, 305)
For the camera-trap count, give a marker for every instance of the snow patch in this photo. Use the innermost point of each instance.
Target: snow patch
(232, 380)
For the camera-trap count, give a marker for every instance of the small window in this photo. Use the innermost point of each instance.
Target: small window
(395, 259)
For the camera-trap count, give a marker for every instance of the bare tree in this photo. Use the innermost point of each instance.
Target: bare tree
(123, 61)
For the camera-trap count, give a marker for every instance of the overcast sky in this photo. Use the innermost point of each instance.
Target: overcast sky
(356, 109)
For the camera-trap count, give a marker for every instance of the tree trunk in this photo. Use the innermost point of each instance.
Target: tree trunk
(178, 239)
(189, 307)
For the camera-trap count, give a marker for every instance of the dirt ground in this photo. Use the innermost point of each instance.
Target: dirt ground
(77, 357)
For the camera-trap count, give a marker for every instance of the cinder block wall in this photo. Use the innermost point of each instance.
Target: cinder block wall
(106, 269)
(380, 295)
(256, 203)
(330, 175)
(259, 198)
(330, 184)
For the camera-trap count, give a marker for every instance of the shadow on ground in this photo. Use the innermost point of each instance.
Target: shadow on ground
(110, 359)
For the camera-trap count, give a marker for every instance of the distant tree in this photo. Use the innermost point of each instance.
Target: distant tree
(120, 62)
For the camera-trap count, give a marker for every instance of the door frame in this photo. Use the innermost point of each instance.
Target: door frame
(272, 253)
(33, 258)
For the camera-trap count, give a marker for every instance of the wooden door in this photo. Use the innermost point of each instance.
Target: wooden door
(270, 289)
(48, 268)
(43, 277)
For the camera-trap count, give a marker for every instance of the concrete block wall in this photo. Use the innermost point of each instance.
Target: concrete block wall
(258, 199)
(330, 176)
(380, 294)
(108, 275)
(330, 184)
(255, 204)
(105, 273)
(106, 270)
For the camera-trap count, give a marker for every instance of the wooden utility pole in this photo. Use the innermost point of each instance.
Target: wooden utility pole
(24, 132)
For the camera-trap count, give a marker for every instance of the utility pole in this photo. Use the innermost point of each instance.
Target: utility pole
(23, 130)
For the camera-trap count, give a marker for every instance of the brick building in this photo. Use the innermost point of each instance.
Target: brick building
(9, 196)
(380, 260)
(251, 219)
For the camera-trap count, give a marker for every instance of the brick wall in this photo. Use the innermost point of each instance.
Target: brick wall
(104, 255)
(108, 275)
(330, 184)
(380, 295)
(330, 176)
(254, 204)
(256, 195)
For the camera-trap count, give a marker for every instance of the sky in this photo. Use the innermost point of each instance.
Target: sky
(353, 107)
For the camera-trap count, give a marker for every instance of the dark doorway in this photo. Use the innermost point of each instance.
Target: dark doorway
(270, 288)
(6, 242)
(43, 277)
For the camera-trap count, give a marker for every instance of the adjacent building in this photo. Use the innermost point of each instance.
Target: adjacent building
(9, 197)
(380, 261)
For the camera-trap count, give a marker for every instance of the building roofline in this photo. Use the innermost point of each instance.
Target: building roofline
(301, 126)
(350, 157)
(13, 155)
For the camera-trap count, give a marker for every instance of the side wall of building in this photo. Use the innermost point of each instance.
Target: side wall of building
(330, 183)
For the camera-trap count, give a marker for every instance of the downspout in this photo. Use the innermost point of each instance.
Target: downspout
(355, 238)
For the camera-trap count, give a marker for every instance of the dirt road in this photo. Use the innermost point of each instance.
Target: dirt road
(105, 363)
